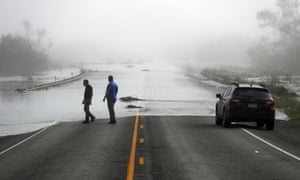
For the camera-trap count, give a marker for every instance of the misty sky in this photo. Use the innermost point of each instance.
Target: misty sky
(91, 28)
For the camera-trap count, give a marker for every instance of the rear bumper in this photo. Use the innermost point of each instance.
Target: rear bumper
(236, 116)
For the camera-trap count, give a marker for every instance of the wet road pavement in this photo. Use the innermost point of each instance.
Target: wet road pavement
(167, 147)
(191, 147)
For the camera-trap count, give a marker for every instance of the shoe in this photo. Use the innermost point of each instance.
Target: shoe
(93, 119)
(85, 122)
(112, 122)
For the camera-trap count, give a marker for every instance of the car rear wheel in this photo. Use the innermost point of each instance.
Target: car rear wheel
(259, 124)
(218, 120)
(226, 121)
(270, 124)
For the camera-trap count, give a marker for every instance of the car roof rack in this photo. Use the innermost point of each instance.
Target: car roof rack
(262, 85)
(236, 83)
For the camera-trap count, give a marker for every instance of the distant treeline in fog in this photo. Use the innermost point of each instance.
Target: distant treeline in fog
(282, 53)
(23, 54)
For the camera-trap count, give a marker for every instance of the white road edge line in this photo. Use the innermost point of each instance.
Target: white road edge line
(24, 140)
(272, 145)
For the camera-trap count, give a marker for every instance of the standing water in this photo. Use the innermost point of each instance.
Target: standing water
(164, 88)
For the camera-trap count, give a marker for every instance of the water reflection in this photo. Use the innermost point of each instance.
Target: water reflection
(177, 94)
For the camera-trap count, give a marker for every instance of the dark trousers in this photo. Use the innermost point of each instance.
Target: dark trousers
(111, 109)
(88, 114)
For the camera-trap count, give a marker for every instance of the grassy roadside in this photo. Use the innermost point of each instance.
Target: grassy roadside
(283, 98)
(290, 105)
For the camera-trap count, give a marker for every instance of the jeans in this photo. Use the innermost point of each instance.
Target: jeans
(111, 106)
(88, 114)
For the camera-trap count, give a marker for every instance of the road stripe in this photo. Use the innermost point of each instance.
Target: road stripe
(272, 145)
(131, 163)
(24, 140)
(141, 161)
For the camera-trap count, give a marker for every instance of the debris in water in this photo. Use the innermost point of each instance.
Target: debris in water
(130, 98)
(129, 66)
(20, 90)
(133, 106)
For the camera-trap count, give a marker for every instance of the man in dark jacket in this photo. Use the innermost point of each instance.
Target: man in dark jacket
(111, 96)
(87, 101)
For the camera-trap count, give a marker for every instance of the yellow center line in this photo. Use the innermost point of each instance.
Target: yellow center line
(141, 160)
(131, 163)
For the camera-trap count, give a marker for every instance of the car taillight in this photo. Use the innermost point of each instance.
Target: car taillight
(234, 103)
(234, 100)
(270, 103)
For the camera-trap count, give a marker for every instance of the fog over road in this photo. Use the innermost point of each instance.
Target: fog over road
(176, 137)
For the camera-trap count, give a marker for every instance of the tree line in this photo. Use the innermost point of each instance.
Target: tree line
(280, 53)
(24, 54)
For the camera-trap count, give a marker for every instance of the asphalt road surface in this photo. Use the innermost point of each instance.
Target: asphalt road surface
(178, 147)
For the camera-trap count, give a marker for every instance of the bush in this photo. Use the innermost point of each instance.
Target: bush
(290, 105)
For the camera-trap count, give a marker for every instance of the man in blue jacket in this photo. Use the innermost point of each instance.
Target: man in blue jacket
(111, 97)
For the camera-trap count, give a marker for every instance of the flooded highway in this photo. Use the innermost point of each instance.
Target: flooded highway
(164, 87)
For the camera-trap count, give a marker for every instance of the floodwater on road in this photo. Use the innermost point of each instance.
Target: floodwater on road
(164, 87)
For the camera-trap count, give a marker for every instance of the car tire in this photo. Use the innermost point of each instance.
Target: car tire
(226, 121)
(260, 124)
(218, 120)
(270, 124)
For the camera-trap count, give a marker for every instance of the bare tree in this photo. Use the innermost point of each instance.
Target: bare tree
(25, 54)
(286, 21)
(282, 52)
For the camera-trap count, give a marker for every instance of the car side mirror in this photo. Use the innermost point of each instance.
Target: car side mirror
(218, 96)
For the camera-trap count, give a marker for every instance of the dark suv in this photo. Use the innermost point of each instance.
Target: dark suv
(245, 103)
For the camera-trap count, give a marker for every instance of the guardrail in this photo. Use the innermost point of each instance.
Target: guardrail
(52, 84)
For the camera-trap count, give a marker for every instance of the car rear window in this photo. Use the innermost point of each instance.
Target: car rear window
(251, 92)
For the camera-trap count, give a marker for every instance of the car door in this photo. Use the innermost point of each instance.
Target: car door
(222, 101)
